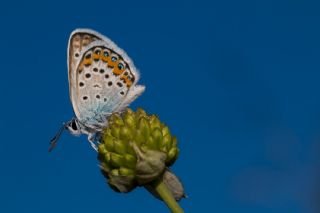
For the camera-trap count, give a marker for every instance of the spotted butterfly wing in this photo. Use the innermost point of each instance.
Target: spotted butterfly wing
(102, 80)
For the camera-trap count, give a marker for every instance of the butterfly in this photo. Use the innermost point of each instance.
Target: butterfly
(102, 80)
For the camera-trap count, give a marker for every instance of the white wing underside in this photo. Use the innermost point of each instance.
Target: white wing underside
(94, 90)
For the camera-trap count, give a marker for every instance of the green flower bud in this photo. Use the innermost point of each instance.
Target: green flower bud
(135, 149)
(167, 142)
(115, 130)
(157, 136)
(165, 131)
(129, 119)
(154, 122)
(119, 146)
(139, 138)
(116, 160)
(102, 149)
(125, 133)
(140, 112)
(107, 157)
(144, 127)
(151, 143)
(116, 119)
(172, 155)
(108, 143)
(130, 161)
(115, 172)
(125, 172)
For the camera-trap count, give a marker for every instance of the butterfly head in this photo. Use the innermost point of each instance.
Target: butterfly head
(74, 127)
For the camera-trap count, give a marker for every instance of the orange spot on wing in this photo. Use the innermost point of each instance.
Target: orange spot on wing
(87, 61)
(105, 59)
(96, 56)
(126, 80)
(112, 63)
(117, 71)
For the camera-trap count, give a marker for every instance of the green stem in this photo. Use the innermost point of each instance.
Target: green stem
(166, 196)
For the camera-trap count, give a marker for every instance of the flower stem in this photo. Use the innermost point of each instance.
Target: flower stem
(166, 196)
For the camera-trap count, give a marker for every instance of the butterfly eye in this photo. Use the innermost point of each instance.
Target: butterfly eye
(73, 125)
(114, 58)
(120, 66)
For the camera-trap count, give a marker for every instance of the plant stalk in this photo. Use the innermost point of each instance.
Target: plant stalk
(166, 196)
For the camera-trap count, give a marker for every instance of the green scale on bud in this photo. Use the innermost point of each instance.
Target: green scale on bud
(136, 149)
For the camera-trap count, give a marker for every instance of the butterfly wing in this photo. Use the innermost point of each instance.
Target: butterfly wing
(102, 78)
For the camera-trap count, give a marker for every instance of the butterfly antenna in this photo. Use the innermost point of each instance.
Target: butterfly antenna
(54, 140)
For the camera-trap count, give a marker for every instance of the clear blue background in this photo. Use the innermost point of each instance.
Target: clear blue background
(237, 82)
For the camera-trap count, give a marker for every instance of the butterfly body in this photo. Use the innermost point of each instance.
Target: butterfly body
(102, 80)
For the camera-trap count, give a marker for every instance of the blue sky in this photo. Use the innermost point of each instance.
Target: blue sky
(236, 81)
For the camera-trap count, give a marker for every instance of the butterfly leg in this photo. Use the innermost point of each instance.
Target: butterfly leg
(91, 139)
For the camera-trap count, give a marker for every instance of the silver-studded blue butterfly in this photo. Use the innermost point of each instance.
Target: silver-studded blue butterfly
(102, 80)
